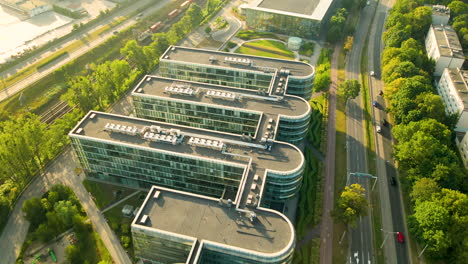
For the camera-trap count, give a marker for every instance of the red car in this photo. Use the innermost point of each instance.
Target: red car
(400, 238)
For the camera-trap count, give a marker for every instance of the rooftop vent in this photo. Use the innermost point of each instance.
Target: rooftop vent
(180, 89)
(241, 61)
(78, 131)
(148, 79)
(139, 90)
(92, 115)
(144, 219)
(206, 143)
(222, 95)
(173, 48)
(129, 130)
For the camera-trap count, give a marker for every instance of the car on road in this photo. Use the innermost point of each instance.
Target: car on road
(375, 104)
(372, 73)
(115, 32)
(378, 129)
(385, 122)
(380, 92)
(140, 15)
(393, 180)
(400, 237)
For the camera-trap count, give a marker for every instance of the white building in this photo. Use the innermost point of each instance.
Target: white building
(453, 88)
(440, 15)
(462, 142)
(443, 46)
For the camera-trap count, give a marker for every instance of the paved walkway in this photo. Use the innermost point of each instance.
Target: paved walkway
(326, 234)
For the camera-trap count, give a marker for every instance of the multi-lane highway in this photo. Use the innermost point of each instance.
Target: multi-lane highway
(361, 247)
(392, 213)
(393, 219)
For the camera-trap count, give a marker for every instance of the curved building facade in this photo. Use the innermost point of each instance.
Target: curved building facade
(261, 74)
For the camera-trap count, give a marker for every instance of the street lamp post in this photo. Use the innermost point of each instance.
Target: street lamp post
(424, 249)
(360, 174)
(386, 236)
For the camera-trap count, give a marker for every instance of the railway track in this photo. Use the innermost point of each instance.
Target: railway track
(54, 112)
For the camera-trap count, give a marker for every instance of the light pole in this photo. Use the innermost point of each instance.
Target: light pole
(386, 236)
(361, 174)
(424, 249)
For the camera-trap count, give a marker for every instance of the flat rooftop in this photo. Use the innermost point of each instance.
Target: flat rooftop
(250, 100)
(312, 9)
(447, 41)
(460, 82)
(440, 10)
(205, 219)
(217, 58)
(283, 157)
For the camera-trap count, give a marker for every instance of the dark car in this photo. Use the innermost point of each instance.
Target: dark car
(385, 122)
(380, 92)
(400, 238)
(392, 180)
(375, 104)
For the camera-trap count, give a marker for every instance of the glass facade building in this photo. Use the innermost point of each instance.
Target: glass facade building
(243, 112)
(225, 235)
(301, 18)
(267, 20)
(142, 168)
(242, 71)
(213, 117)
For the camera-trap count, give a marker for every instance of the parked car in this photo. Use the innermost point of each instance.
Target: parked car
(400, 237)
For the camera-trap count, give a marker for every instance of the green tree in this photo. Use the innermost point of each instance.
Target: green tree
(395, 35)
(351, 205)
(405, 132)
(44, 233)
(73, 254)
(65, 210)
(195, 13)
(4, 210)
(424, 189)
(420, 19)
(34, 211)
(458, 8)
(81, 93)
(349, 89)
(134, 53)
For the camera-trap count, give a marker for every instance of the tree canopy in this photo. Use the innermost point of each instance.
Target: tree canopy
(351, 205)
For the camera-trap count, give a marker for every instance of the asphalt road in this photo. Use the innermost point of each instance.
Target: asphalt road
(17, 87)
(393, 216)
(361, 246)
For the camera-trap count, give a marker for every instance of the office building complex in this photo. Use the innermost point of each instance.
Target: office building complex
(295, 17)
(453, 89)
(443, 46)
(139, 153)
(179, 227)
(232, 110)
(260, 74)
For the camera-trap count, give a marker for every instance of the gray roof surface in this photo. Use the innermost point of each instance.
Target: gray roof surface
(203, 218)
(202, 56)
(282, 157)
(447, 41)
(305, 7)
(460, 82)
(289, 106)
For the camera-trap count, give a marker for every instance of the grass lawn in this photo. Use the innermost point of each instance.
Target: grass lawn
(340, 250)
(106, 194)
(251, 34)
(266, 48)
(309, 253)
(121, 224)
